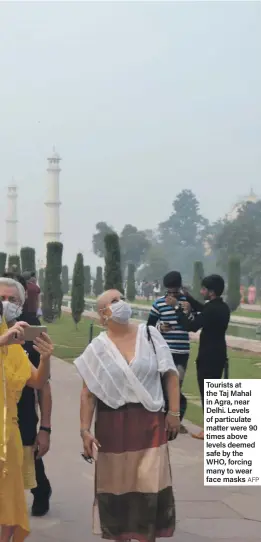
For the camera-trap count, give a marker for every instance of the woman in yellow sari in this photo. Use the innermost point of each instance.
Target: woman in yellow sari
(16, 371)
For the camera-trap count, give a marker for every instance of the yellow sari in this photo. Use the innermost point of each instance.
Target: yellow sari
(15, 371)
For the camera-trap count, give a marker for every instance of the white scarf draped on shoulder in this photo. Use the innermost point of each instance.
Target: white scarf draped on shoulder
(111, 379)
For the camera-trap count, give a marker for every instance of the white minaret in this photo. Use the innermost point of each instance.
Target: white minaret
(11, 221)
(52, 202)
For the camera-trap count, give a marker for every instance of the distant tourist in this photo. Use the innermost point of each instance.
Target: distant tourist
(147, 290)
(33, 293)
(242, 294)
(164, 314)
(213, 318)
(156, 289)
(251, 295)
(133, 486)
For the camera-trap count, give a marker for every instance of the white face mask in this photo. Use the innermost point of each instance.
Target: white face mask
(11, 311)
(121, 312)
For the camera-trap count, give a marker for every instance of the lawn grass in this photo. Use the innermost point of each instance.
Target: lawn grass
(70, 342)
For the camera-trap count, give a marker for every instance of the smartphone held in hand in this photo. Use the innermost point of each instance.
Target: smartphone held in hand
(94, 452)
(33, 332)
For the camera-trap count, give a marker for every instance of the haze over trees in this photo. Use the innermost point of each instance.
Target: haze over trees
(185, 237)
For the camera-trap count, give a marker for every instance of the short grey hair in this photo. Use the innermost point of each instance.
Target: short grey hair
(5, 281)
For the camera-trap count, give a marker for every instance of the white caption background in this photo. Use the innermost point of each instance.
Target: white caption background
(232, 432)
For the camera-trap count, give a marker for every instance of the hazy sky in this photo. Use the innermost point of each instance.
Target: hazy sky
(140, 99)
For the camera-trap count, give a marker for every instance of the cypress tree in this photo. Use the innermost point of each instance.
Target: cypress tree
(65, 279)
(3, 257)
(14, 264)
(41, 279)
(113, 276)
(52, 296)
(197, 280)
(87, 280)
(131, 290)
(77, 302)
(233, 288)
(27, 255)
(98, 284)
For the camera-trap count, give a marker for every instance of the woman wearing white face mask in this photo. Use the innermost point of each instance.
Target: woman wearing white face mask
(121, 371)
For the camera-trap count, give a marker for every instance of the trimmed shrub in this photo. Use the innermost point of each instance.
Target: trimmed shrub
(77, 303)
(131, 290)
(3, 258)
(233, 290)
(113, 276)
(198, 276)
(98, 284)
(52, 294)
(27, 255)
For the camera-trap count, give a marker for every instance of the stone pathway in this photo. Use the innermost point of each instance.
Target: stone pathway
(203, 513)
(254, 308)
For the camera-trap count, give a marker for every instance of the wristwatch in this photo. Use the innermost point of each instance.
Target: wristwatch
(46, 429)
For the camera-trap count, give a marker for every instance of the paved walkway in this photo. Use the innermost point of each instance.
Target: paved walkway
(204, 514)
(255, 308)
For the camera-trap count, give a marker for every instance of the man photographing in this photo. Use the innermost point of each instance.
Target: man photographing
(164, 314)
(213, 318)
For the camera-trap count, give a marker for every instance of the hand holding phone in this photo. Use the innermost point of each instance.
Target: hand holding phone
(33, 332)
(164, 327)
(94, 454)
(94, 451)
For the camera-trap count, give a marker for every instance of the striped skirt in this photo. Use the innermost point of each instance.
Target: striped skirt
(133, 487)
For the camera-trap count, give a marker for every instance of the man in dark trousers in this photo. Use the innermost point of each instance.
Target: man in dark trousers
(212, 318)
(28, 420)
(176, 337)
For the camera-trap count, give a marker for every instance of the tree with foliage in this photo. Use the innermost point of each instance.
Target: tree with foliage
(134, 245)
(52, 295)
(41, 275)
(27, 255)
(131, 290)
(233, 289)
(102, 229)
(197, 280)
(98, 283)
(242, 237)
(183, 234)
(65, 279)
(87, 280)
(14, 264)
(113, 275)
(185, 225)
(77, 300)
(3, 257)
(156, 266)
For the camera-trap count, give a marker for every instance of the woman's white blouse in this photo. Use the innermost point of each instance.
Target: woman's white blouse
(115, 382)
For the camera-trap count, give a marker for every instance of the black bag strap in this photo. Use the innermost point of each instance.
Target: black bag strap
(150, 338)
